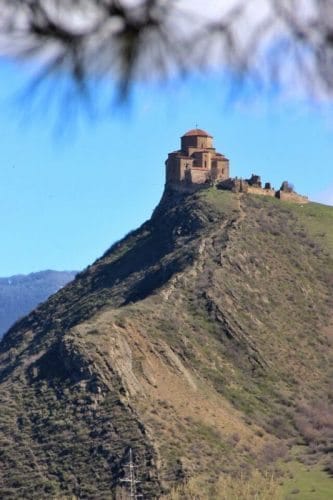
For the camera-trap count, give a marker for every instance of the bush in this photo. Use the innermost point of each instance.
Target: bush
(271, 452)
(315, 424)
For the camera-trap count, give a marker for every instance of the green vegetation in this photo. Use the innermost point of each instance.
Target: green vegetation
(256, 486)
(224, 202)
(302, 482)
(318, 220)
(201, 340)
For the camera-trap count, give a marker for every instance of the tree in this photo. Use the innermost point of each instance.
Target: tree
(268, 42)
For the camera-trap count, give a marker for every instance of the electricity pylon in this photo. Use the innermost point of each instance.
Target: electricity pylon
(130, 478)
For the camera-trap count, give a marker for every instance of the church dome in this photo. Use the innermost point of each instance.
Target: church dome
(197, 132)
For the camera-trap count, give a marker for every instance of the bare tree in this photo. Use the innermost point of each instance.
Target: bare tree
(270, 42)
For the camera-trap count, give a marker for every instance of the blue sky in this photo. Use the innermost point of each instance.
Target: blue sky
(65, 198)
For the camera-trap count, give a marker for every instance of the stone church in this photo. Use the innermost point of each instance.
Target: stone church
(197, 162)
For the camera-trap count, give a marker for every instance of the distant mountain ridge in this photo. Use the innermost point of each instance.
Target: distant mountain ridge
(21, 293)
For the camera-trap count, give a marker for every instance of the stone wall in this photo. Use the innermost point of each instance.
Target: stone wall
(199, 142)
(293, 197)
(199, 176)
(261, 191)
(186, 187)
(242, 186)
(235, 185)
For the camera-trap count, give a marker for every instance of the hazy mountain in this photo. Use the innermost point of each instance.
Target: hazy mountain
(22, 293)
(201, 342)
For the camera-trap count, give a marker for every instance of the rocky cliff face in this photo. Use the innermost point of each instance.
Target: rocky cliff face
(194, 341)
(22, 293)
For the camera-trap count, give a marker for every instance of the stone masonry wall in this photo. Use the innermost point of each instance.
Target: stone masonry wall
(293, 197)
(261, 191)
(199, 176)
(241, 186)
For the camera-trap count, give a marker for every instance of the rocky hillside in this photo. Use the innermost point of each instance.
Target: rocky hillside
(22, 293)
(201, 341)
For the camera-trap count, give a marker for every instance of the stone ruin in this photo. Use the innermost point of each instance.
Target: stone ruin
(197, 165)
(253, 185)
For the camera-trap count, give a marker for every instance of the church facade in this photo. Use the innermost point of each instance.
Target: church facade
(196, 162)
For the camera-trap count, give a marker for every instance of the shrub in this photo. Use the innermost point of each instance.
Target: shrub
(271, 452)
(315, 424)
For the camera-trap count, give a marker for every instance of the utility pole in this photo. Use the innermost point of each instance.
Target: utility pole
(130, 478)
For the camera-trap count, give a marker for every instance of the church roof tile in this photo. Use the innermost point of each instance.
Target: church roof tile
(197, 132)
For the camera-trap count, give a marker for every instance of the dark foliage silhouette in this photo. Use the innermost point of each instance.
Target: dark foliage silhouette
(274, 42)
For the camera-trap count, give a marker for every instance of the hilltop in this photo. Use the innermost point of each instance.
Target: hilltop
(202, 341)
(19, 294)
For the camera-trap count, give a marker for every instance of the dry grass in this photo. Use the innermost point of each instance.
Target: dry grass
(255, 486)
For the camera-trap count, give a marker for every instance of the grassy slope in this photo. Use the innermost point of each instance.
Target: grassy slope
(318, 219)
(193, 340)
(279, 280)
(305, 483)
(268, 237)
(308, 482)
